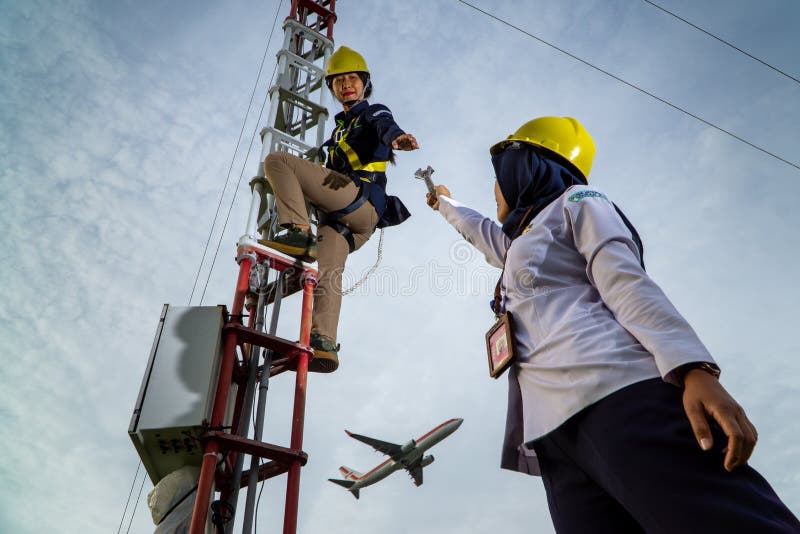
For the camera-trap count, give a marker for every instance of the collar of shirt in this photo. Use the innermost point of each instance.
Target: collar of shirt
(355, 111)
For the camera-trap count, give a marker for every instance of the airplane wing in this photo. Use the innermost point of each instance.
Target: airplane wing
(390, 449)
(416, 473)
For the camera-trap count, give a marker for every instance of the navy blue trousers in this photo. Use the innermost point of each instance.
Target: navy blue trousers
(630, 463)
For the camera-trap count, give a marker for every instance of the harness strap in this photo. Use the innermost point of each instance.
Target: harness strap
(363, 196)
(355, 162)
(345, 232)
(333, 218)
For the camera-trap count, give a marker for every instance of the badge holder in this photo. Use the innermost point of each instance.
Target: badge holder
(500, 345)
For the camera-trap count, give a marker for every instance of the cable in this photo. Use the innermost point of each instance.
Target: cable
(235, 151)
(178, 503)
(213, 223)
(629, 84)
(221, 513)
(241, 174)
(136, 504)
(258, 501)
(133, 485)
(721, 40)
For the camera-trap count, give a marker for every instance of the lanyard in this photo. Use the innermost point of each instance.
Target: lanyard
(497, 291)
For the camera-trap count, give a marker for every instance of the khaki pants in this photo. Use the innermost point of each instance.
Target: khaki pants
(294, 180)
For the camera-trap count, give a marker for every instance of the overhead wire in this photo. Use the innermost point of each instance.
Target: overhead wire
(721, 40)
(136, 504)
(130, 493)
(210, 234)
(633, 86)
(244, 163)
(498, 19)
(235, 152)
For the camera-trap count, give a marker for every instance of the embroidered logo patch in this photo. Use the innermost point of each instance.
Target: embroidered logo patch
(580, 195)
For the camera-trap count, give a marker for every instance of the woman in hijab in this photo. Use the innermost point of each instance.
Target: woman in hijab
(613, 399)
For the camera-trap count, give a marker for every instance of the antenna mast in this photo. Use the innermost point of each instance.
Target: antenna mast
(211, 353)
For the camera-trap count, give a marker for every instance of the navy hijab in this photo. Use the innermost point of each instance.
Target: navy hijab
(529, 181)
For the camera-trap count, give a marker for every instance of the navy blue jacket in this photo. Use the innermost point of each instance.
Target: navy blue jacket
(368, 130)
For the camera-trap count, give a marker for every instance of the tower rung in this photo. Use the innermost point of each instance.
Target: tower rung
(311, 35)
(260, 449)
(288, 97)
(296, 102)
(281, 142)
(314, 72)
(269, 470)
(326, 17)
(261, 339)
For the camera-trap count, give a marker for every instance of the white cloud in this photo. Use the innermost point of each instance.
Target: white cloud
(115, 141)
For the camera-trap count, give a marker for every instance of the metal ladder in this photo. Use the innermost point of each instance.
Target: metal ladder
(252, 353)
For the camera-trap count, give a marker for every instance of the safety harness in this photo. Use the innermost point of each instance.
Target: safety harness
(368, 177)
(332, 218)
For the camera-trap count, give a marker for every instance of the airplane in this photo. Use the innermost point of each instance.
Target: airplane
(409, 457)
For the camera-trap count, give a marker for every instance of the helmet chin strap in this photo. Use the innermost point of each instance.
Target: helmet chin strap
(351, 103)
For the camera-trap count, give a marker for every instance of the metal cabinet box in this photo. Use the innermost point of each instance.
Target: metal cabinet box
(177, 393)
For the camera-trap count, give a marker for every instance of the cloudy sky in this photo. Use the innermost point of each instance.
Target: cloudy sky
(119, 122)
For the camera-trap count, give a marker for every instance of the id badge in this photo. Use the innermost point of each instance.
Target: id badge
(500, 345)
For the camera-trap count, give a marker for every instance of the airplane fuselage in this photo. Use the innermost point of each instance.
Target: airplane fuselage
(412, 454)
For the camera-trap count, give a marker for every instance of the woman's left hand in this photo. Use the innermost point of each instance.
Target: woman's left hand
(405, 142)
(704, 396)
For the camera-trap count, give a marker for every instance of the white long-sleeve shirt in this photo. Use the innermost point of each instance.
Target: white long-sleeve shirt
(588, 320)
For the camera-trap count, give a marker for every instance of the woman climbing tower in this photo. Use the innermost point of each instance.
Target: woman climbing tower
(349, 193)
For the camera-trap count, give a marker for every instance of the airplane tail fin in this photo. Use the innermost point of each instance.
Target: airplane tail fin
(346, 484)
(349, 474)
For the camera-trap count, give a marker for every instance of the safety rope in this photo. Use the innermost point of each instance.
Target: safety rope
(371, 269)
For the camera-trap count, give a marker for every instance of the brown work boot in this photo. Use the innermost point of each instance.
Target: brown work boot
(294, 242)
(326, 354)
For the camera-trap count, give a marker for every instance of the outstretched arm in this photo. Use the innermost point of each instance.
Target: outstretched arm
(479, 231)
(390, 133)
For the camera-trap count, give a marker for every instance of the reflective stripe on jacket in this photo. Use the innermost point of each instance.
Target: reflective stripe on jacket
(360, 146)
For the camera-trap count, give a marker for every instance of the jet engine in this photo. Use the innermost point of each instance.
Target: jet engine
(426, 460)
(410, 446)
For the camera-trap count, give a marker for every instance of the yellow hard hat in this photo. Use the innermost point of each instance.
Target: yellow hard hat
(345, 60)
(563, 136)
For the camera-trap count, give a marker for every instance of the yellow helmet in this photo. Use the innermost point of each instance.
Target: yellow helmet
(345, 60)
(563, 136)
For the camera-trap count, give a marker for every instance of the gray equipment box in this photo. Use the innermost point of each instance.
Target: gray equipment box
(177, 393)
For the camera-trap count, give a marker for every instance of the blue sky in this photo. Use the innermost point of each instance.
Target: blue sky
(119, 122)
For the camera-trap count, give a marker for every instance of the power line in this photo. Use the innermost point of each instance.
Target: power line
(211, 231)
(130, 493)
(136, 504)
(633, 86)
(233, 159)
(721, 40)
(241, 174)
